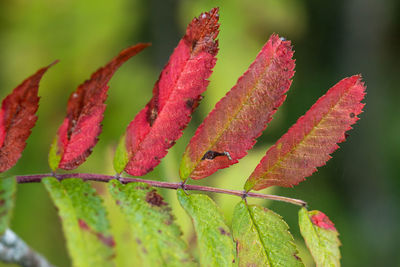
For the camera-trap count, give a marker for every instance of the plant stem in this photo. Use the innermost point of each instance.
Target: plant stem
(169, 185)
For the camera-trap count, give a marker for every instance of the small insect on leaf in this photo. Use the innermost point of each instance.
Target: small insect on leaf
(309, 143)
(17, 118)
(78, 133)
(175, 96)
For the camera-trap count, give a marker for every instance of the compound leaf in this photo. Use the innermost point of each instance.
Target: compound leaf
(17, 118)
(78, 133)
(84, 222)
(262, 238)
(321, 237)
(8, 187)
(239, 118)
(153, 227)
(214, 239)
(175, 96)
(310, 141)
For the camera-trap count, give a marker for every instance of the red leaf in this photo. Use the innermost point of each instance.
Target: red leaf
(240, 117)
(309, 143)
(17, 118)
(175, 96)
(322, 221)
(78, 133)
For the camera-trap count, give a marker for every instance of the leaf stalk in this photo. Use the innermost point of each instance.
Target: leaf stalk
(36, 178)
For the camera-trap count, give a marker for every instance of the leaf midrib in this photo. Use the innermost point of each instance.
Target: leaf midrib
(233, 118)
(139, 147)
(284, 156)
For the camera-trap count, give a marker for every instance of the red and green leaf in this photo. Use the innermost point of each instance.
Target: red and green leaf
(78, 133)
(84, 222)
(309, 143)
(321, 237)
(175, 96)
(17, 118)
(240, 117)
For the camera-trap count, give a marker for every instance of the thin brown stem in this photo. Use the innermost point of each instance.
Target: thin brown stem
(169, 185)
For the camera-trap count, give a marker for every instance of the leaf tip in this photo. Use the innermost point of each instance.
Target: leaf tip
(319, 219)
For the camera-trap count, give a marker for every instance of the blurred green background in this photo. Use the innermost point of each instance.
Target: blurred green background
(359, 189)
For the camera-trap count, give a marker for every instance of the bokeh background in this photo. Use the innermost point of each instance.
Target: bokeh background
(359, 189)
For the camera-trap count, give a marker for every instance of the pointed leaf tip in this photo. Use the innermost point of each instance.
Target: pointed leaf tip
(310, 141)
(78, 133)
(18, 117)
(240, 117)
(176, 94)
(321, 237)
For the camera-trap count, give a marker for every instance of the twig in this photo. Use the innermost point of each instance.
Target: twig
(14, 250)
(106, 178)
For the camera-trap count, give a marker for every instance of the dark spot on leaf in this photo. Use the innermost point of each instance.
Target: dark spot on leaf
(168, 222)
(193, 103)
(194, 43)
(213, 154)
(2, 192)
(296, 257)
(144, 250)
(352, 115)
(138, 241)
(107, 240)
(152, 116)
(152, 111)
(189, 103)
(159, 231)
(118, 202)
(154, 199)
(2, 201)
(223, 232)
(140, 188)
(83, 225)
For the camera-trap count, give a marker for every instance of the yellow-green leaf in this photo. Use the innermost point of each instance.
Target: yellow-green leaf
(214, 239)
(321, 237)
(262, 238)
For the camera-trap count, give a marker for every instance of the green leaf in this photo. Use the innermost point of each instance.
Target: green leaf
(121, 157)
(262, 237)
(153, 227)
(84, 222)
(321, 237)
(54, 156)
(8, 186)
(213, 235)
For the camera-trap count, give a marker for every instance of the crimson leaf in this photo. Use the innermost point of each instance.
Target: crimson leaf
(78, 133)
(239, 118)
(309, 143)
(17, 118)
(175, 96)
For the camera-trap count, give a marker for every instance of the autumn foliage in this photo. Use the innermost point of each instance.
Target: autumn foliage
(226, 135)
